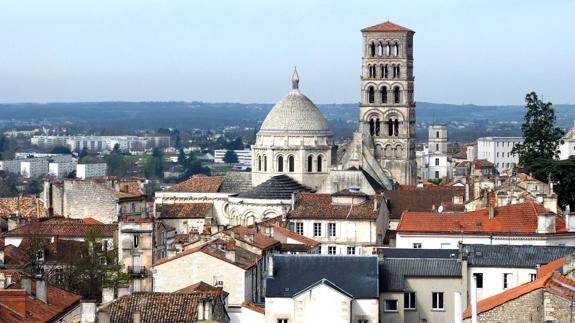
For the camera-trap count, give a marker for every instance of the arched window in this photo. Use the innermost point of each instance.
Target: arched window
(377, 127)
(387, 49)
(259, 163)
(396, 95)
(398, 73)
(390, 127)
(373, 71)
(395, 49)
(396, 128)
(385, 72)
(280, 164)
(265, 163)
(370, 94)
(393, 70)
(291, 164)
(309, 164)
(319, 163)
(372, 49)
(383, 94)
(371, 127)
(379, 49)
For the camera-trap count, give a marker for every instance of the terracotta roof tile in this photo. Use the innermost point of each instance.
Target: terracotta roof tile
(204, 289)
(320, 206)
(26, 206)
(15, 257)
(63, 228)
(513, 219)
(59, 303)
(184, 210)
(386, 26)
(250, 236)
(255, 308)
(159, 307)
(203, 184)
(555, 265)
(424, 199)
(292, 235)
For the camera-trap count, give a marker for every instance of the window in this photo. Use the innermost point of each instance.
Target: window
(259, 163)
(136, 241)
(317, 229)
(319, 162)
(436, 174)
(265, 163)
(437, 147)
(280, 164)
(370, 94)
(409, 300)
(437, 134)
(436, 161)
(331, 229)
(299, 228)
(136, 287)
(362, 321)
(351, 250)
(479, 280)
(383, 95)
(390, 305)
(291, 164)
(396, 95)
(331, 250)
(437, 301)
(532, 277)
(40, 255)
(309, 164)
(417, 245)
(507, 280)
(283, 321)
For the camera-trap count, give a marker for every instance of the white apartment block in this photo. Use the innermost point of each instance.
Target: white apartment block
(498, 151)
(34, 167)
(101, 143)
(244, 156)
(84, 171)
(62, 169)
(568, 147)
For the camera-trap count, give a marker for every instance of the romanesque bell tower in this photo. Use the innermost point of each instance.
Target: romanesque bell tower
(387, 108)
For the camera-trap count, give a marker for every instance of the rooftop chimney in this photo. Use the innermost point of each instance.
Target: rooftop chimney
(136, 317)
(569, 221)
(491, 211)
(88, 312)
(230, 250)
(546, 223)
(270, 265)
(42, 290)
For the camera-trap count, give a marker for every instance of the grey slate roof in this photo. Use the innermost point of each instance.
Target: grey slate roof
(420, 253)
(393, 271)
(236, 182)
(357, 276)
(515, 256)
(280, 187)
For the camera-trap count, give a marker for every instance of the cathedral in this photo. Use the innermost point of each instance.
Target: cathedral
(295, 150)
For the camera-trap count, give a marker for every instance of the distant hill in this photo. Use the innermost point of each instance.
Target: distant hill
(187, 115)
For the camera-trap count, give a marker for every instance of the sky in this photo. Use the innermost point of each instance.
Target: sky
(466, 51)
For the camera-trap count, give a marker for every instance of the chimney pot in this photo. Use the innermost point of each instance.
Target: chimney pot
(42, 290)
(26, 284)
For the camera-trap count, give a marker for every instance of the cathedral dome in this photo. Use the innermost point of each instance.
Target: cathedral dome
(295, 113)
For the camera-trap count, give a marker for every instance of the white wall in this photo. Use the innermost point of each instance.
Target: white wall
(493, 279)
(447, 241)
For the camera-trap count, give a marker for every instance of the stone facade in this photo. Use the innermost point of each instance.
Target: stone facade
(387, 108)
(527, 308)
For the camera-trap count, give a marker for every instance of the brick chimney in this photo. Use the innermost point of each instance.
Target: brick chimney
(42, 290)
(546, 223)
(230, 250)
(15, 299)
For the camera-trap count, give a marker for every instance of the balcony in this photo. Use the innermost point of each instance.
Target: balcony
(137, 271)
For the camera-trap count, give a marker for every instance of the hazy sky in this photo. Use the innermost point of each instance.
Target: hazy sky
(482, 52)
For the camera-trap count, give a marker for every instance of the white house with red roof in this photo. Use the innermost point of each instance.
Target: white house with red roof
(525, 223)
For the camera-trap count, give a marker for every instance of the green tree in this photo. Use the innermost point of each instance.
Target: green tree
(182, 159)
(61, 150)
(541, 136)
(8, 186)
(116, 149)
(561, 173)
(230, 157)
(235, 144)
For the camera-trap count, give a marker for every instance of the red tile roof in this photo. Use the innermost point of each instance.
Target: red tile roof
(452, 207)
(59, 302)
(553, 283)
(184, 210)
(255, 308)
(16, 257)
(555, 265)
(511, 219)
(292, 235)
(386, 26)
(423, 199)
(91, 221)
(251, 237)
(204, 289)
(320, 206)
(199, 184)
(27, 206)
(63, 228)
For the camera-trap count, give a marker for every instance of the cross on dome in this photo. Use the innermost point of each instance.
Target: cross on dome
(295, 80)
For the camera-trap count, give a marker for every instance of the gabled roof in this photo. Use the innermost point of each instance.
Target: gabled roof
(387, 26)
(204, 289)
(393, 271)
(326, 282)
(251, 237)
(30, 207)
(553, 283)
(63, 228)
(321, 206)
(423, 199)
(236, 182)
(513, 256)
(198, 184)
(254, 308)
(357, 275)
(280, 187)
(184, 210)
(509, 219)
(554, 266)
(292, 235)
(420, 253)
(154, 307)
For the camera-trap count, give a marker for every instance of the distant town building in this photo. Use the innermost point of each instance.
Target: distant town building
(498, 151)
(85, 171)
(62, 169)
(435, 161)
(101, 143)
(244, 156)
(35, 167)
(568, 147)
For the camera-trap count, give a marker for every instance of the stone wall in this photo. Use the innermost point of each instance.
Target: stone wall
(557, 309)
(527, 308)
(88, 199)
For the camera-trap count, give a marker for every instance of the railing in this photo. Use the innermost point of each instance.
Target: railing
(137, 270)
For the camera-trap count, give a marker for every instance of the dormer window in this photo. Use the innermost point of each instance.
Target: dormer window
(40, 255)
